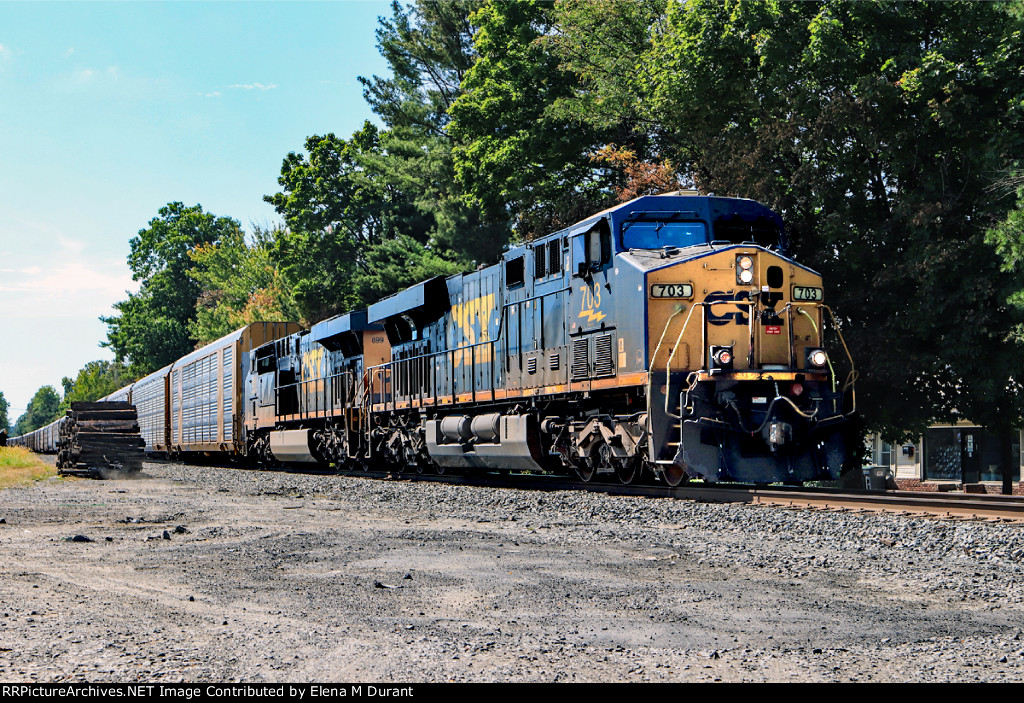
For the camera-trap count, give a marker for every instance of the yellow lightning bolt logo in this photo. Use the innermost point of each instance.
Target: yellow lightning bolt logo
(589, 304)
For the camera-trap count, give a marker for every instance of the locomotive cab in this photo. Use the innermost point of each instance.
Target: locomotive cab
(742, 387)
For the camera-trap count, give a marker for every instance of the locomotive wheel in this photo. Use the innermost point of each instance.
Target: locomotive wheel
(673, 474)
(629, 470)
(584, 470)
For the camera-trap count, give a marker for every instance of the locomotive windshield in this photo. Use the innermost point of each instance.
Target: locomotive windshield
(646, 234)
(738, 230)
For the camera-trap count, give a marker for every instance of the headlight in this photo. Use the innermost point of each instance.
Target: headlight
(817, 358)
(721, 358)
(744, 269)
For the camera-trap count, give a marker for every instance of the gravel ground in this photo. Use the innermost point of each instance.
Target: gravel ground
(202, 574)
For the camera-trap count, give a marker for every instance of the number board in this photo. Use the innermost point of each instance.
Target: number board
(671, 290)
(808, 294)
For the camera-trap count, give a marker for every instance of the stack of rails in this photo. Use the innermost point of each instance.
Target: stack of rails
(98, 439)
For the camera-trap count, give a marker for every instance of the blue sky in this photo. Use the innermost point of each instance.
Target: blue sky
(108, 111)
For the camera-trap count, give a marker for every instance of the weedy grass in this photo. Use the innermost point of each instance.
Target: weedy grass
(20, 467)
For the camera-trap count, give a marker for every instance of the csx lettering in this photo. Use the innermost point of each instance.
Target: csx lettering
(715, 314)
(590, 301)
(466, 315)
(311, 360)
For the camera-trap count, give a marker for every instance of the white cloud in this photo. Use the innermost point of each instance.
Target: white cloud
(253, 86)
(67, 54)
(94, 78)
(89, 285)
(73, 245)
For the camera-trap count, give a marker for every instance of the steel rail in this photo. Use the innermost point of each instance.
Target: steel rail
(938, 504)
(975, 506)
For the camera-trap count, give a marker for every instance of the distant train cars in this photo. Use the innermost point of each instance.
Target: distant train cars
(670, 337)
(194, 405)
(43, 440)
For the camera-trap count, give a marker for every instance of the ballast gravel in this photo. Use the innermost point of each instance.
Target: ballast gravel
(213, 574)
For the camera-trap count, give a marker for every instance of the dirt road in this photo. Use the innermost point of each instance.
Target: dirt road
(202, 574)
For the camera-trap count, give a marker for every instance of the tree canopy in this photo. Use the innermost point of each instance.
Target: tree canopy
(240, 284)
(94, 380)
(887, 134)
(5, 423)
(352, 205)
(43, 409)
(151, 329)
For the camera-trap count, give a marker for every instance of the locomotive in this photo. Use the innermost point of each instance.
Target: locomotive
(670, 337)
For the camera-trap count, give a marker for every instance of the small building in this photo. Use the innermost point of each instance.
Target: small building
(960, 456)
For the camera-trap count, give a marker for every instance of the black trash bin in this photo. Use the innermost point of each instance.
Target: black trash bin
(877, 478)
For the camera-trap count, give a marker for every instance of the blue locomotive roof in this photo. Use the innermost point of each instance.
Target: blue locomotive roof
(334, 327)
(673, 219)
(714, 211)
(427, 297)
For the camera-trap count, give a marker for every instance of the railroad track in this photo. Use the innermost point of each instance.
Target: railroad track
(998, 508)
(990, 507)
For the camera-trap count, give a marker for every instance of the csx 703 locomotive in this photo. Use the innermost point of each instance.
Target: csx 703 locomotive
(670, 334)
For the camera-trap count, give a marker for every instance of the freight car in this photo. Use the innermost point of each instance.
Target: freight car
(42, 440)
(669, 335)
(195, 405)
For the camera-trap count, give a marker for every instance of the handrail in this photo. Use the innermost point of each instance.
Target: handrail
(750, 305)
(497, 338)
(396, 363)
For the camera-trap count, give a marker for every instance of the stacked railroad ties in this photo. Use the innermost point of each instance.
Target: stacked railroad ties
(96, 439)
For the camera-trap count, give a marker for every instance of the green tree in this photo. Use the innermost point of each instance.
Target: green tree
(517, 148)
(604, 44)
(43, 409)
(151, 329)
(429, 49)
(94, 380)
(240, 285)
(350, 204)
(878, 130)
(5, 423)
(1008, 238)
(395, 264)
(338, 205)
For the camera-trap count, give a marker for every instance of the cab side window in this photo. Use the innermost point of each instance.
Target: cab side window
(515, 273)
(598, 245)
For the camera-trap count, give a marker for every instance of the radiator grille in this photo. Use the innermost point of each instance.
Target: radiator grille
(531, 365)
(554, 361)
(580, 358)
(604, 364)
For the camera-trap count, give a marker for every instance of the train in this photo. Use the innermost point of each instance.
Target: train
(670, 338)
